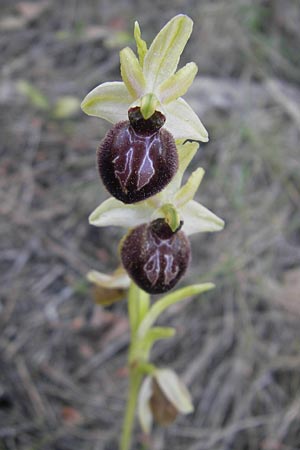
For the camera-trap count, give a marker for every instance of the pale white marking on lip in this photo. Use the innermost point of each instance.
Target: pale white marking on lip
(170, 274)
(152, 267)
(146, 170)
(124, 175)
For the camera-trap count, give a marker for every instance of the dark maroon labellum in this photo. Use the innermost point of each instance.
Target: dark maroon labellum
(155, 257)
(137, 158)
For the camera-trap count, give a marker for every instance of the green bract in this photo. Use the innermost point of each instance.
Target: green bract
(152, 83)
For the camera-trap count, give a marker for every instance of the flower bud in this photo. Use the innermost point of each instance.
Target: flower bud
(162, 396)
(163, 410)
(137, 158)
(155, 257)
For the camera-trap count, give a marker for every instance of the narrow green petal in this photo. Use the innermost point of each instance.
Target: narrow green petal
(174, 389)
(132, 73)
(112, 212)
(177, 85)
(186, 152)
(143, 407)
(140, 43)
(188, 191)
(110, 101)
(118, 279)
(183, 122)
(199, 219)
(162, 58)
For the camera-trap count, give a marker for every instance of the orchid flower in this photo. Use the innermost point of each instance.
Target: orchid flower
(152, 83)
(174, 203)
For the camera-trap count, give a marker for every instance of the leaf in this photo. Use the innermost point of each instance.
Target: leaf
(168, 300)
(157, 333)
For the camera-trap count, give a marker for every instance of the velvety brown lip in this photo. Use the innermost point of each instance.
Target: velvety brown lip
(155, 257)
(137, 158)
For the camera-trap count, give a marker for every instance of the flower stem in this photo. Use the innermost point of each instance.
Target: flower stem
(134, 386)
(138, 305)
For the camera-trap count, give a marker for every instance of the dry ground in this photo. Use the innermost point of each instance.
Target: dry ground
(62, 359)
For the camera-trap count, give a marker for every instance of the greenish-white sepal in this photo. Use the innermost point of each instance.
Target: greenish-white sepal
(162, 58)
(140, 43)
(132, 73)
(149, 104)
(118, 279)
(168, 300)
(178, 83)
(183, 122)
(174, 389)
(113, 212)
(189, 189)
(198, 219)
(143, 407)
(171, 215)
(110, 101)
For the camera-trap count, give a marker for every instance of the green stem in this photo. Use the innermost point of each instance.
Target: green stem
(134, 386)
(138, 305)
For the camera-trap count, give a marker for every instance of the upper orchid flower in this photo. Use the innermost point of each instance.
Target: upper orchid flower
(151, 83)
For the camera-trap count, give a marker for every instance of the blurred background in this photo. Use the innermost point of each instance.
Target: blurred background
(63, 358)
